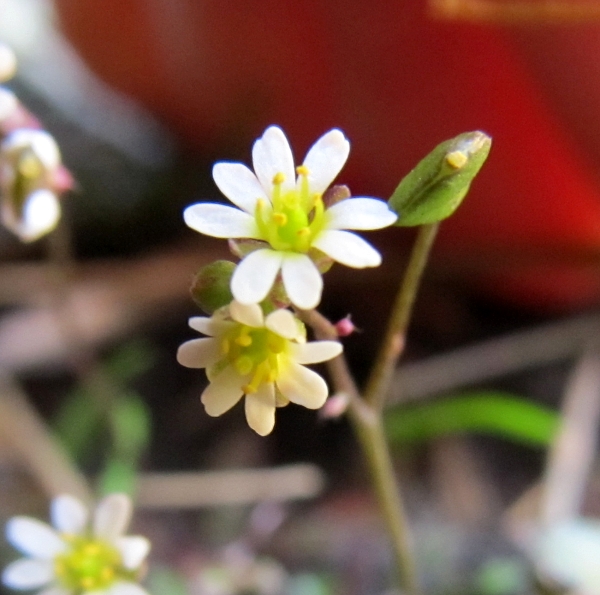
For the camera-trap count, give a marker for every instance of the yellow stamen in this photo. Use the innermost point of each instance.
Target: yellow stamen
(302, 170)
(278, 178)
(303, 232)
(280, 219)
(456, 159)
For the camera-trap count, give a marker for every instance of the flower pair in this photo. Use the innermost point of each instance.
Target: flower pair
(286, 228)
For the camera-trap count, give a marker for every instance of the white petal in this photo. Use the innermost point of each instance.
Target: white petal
(223, 392)
(315, 351)
(40, 142)
(250, 314)
(302, 386)
(302, 281)
(28, 574)
(239, 185)
(34, 538)
(260, 409)
(40, 215)
(8, 103)
(209, 326)
(283, 323)
(271, 155)
(199, 353)
(112, 516)
(347, 248)
(126, 588)
(254, 276)
(68, 514)
(133, 549)
(325, 159)
(220, 221)
(360, 213)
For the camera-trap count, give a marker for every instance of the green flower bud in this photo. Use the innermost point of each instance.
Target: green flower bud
(210, 287)
(435, 188)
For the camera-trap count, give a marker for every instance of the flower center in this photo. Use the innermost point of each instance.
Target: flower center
(294, 218)
(88, 565)
(254, 352)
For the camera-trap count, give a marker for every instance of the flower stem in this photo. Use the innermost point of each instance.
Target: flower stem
(393, 343)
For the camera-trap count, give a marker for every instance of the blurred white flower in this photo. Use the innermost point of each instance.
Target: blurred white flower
(29, 164)
(73, 558)
(8, 63)
(262, 357)
(289, 215)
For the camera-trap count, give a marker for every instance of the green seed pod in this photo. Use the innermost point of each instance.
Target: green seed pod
(210, 287)
(435, 188)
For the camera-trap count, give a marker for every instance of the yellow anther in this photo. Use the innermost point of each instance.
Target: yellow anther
(243, 365)
(87, 582)
(280, 219)
(261, 203)
(91, 549)
(302, 170)
(456, 159)
(278, 178)
(225, 346)
(244, 340)
(303, 232)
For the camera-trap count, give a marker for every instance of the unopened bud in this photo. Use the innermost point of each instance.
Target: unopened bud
(211, 285)
(335, 406)
(345, 327)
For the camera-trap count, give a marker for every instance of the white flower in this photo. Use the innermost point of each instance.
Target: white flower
(72, 558)
(262, 357)
(288, 213)
(29, 161)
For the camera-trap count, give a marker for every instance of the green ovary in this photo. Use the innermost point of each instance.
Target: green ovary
(294, 218)
(254, 352)
(89, 565)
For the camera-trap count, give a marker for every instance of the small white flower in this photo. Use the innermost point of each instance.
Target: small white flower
(262, 357)
(72, 558)
(29, 161)
(288, 214)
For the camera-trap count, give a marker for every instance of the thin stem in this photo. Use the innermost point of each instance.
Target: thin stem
(393, 343)
(368, 425)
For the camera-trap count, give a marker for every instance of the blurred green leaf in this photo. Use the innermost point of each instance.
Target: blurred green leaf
(130, 425)
(503, 576)
(130, 360)
(164, 581)
(118, 477)
(434, 189)
(494, 413)
(78, 423)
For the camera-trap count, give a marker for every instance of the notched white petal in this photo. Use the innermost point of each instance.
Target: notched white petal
(68, 514)
(315, 351)
(360, 213)
(347, 248)
(302, 386)
(133, 549)
(325, 159)
(260, 409)
(283, 323)
(34, 538)
(209, 326)
(220, 221)
(239, 185)
(302, 281)
(112, 516)
(28, 574)
(254, 276)
(224, 391)
(41, 214)
(271, 155)
(199, 353)
(250, 314)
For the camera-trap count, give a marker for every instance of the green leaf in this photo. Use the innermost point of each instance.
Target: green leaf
(495, 413)
(118, 477)
(129, 361)
(78, 423)
(130, 425)
(435, 188)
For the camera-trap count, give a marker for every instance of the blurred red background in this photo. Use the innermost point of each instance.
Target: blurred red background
(397, 82)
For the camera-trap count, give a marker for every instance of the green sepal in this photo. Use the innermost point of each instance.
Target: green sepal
(435, 188)
(211, 285)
